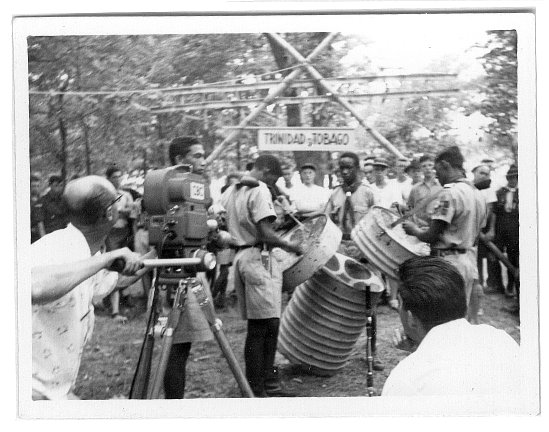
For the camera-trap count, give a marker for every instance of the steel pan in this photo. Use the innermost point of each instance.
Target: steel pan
(326, 315)
(383, 247)
(320, 238)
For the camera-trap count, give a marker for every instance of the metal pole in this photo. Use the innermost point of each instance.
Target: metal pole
(269, 99)
(317, 76)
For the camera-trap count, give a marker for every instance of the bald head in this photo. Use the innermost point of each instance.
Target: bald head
(87, 199)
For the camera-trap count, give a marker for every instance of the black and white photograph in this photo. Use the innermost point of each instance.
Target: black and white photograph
(262, 214)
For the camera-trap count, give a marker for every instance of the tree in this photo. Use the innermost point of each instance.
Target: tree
(500, 88)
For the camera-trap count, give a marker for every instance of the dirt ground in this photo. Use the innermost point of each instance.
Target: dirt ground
(111, 355)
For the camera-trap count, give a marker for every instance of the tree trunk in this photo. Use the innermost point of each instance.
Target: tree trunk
(63, 136)
(293, 115)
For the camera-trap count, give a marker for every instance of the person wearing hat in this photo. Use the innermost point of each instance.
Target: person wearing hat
(507, 229)
(459, 214)
(386, 192)
(309, 198)
(257, 274)
(414, 171)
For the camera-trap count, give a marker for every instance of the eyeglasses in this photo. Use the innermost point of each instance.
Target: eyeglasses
(108, 209)
(118, 198)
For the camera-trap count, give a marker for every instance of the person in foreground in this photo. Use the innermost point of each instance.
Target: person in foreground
(453, 357)
(68, 271)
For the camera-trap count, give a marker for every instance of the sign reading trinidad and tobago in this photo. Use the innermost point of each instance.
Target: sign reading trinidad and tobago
(306, 139)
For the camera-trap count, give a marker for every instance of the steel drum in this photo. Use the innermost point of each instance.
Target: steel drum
(385, 247)
(320, 238)
(326, 315)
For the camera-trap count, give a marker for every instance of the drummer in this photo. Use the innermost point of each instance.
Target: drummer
(349, 202)
(257, 275)
(457, 220)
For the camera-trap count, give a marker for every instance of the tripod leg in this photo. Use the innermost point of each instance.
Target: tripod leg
(167, 340)
(140, 380)
(215, 325)
(228, 353)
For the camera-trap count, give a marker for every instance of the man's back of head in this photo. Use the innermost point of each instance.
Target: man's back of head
(432, 290)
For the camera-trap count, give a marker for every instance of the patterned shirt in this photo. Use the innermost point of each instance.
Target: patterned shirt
(61, 328)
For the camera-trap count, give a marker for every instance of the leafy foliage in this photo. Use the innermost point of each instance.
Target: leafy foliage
(500, 87)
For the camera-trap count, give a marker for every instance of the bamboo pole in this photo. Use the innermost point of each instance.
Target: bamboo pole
(317, 76)
(269, 99)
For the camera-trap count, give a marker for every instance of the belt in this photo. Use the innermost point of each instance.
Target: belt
(444, 252)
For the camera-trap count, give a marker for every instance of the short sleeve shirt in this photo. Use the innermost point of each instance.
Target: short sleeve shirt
(61, 328)
(310, 198)
(418, 194)
(386, 196)
(463, 208)
(246, 206)
(362, 200)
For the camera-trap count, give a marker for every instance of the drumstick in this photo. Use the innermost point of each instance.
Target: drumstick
(416, 210)
(296, 220)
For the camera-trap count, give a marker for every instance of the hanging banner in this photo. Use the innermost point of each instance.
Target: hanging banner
(306, 139)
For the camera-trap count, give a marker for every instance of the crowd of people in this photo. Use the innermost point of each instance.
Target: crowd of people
(93, 221)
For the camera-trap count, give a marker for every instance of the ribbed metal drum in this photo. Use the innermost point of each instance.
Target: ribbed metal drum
(383, 247)
(326, 316)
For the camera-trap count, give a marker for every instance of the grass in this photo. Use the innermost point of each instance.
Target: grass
(110, 357)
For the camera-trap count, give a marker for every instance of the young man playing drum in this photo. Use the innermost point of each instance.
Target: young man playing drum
(258, 276)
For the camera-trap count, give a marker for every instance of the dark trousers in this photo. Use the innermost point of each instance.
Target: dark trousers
(259, 351)
(220, 285)
(493, 279)
(174, 378)
(508, 241)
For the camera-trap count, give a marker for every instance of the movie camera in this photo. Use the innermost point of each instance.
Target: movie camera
(176, 203)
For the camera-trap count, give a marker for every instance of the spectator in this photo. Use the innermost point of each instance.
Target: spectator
(414, 171)
(231, 179)
(453, 357)
(68, 271)
(122, 232)
(54, 210)
(368, 171)
(403, 180)
(507, 231)
(386, 192)
(423, 191)
(309, 199)
(37, 218)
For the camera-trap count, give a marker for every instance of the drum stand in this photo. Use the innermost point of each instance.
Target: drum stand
(369, 350)
(170, 280)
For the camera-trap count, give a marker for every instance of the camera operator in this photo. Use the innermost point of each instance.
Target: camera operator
(193, 326)
(258, 276)
(68, 271)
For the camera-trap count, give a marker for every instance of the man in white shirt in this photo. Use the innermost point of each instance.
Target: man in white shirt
(68, 271)
(403, 180)
(309, 199)
(453, 357)
(386, 193)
